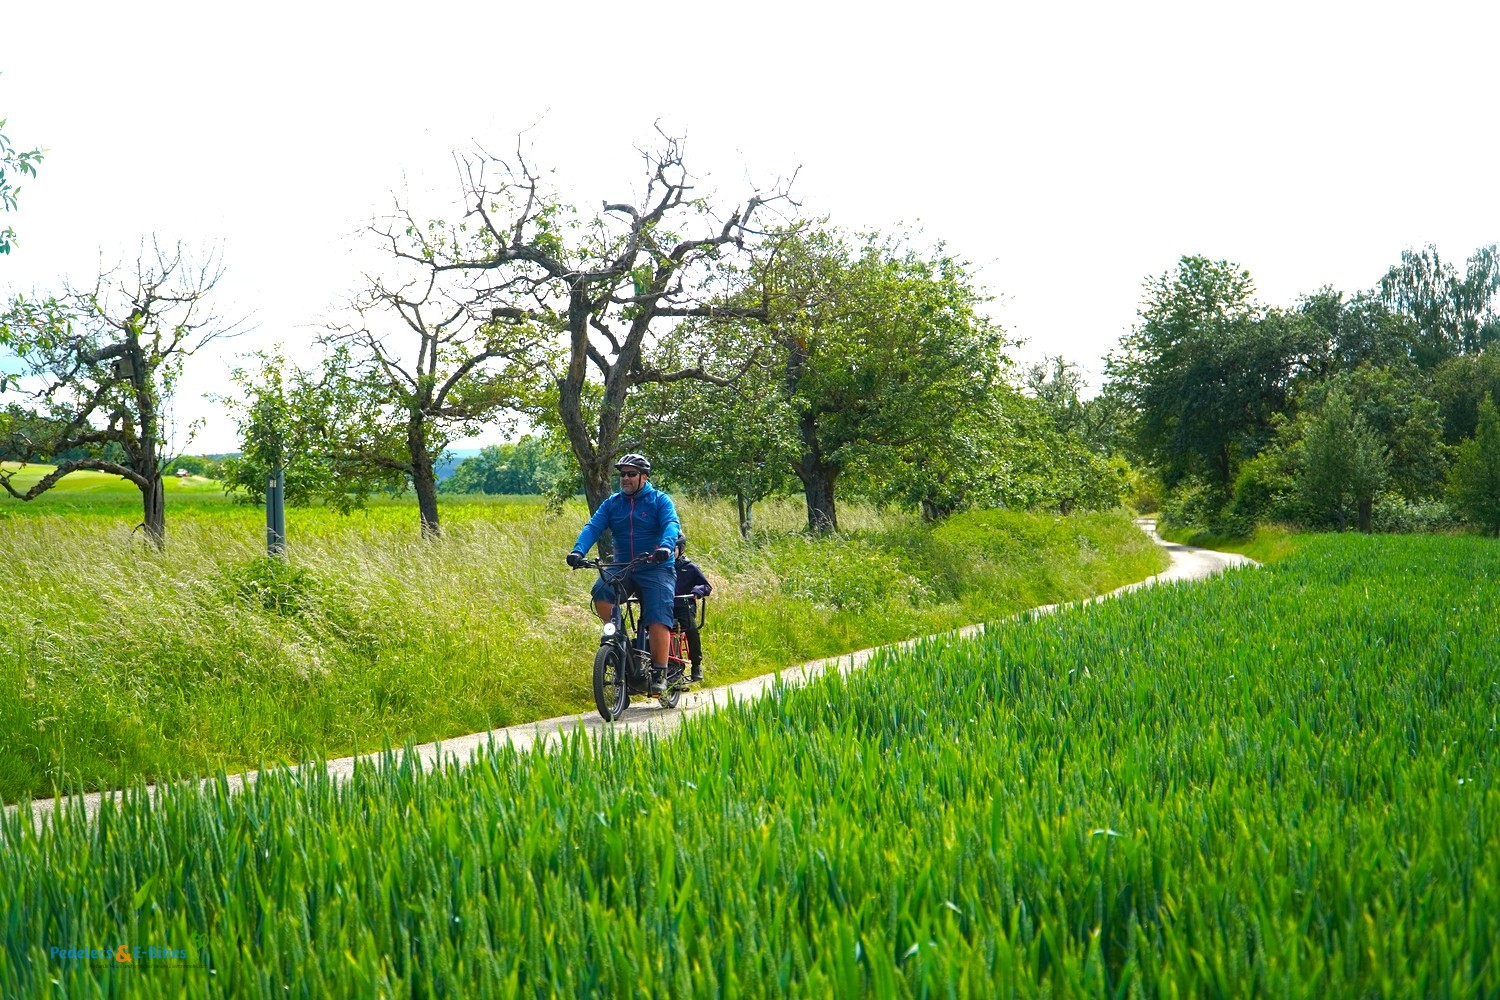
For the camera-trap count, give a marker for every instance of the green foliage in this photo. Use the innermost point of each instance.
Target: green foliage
(272, 584)
(321, 428)
(1394, 403)
(1450, 313)
(710, 440)
(1344, 464)
(1195, 503)
(1266, 489)
(1206, 370)
(1103, 423)
(532, 465)
(1396, 515)
(1355, 330)
(13, 163)
(1458, 386)
(1281, 783)
(884, 368)
(1474, 484)
(846, 573)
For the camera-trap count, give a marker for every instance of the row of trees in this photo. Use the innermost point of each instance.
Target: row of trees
(1321, 412)
(750, 351)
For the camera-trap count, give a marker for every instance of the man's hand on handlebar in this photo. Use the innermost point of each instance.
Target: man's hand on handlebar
(701, 590)
(661, 555)
(575, 559)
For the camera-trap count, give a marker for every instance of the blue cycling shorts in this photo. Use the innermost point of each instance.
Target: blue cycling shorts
(654, 585)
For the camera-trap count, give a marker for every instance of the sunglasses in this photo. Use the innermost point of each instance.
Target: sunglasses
(626, 474)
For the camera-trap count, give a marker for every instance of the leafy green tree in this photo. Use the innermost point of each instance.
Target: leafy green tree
(717, 440)
(1044, 467)
(881, 353)
(970, 463)
(1206, 370)
(1394, 404)
(1452, 313)
(105, 362)
(1474, 483)
(1355, 330)
(1103, 423)
(316, 426)
(1266, 486)
(1459, 385)
(13, 163)
(1344, 463)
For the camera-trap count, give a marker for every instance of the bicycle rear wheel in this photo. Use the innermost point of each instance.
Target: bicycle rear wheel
(611, 689)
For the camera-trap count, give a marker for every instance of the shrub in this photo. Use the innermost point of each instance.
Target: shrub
(271, 584)
(1474, 484)
(1193, 503)
(1394, 514)
(846, 573)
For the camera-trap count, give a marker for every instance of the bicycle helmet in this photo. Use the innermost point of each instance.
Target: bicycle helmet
(634, 460)
(682, 544)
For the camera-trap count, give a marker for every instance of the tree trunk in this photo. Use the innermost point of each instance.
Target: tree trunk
(744, 504)
(154, 504)
(933, 512)
(596, 484)
(817, 485)
(817, 478)
(1366, 506)
(423, 479)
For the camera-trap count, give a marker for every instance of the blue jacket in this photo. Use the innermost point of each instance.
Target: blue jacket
(639, 524)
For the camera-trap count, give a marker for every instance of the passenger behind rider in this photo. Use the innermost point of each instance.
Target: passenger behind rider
(641, 520)
(691, 585)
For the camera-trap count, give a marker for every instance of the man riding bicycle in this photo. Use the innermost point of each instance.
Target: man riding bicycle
(641, 519)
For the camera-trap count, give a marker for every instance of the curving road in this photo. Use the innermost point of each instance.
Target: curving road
(1187, 564)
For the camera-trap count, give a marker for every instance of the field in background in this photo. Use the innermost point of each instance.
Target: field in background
(121, 663)
(98, 491)
(1278, 783)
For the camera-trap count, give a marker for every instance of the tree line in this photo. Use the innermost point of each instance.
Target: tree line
(1364, 409)
(750, 349)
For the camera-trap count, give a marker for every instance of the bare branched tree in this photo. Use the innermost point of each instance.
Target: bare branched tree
(596, 285)
(100, 366)
(436, 362)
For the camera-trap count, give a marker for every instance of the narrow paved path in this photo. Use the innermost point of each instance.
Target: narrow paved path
(641, 717)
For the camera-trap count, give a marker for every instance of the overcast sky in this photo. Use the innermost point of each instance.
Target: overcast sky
(1068, 150)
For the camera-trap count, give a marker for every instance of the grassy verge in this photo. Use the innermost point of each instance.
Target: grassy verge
(1268, 543)
(1279, 783)
(118, 663)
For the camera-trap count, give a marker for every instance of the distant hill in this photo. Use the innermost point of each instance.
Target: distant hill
(445, 465)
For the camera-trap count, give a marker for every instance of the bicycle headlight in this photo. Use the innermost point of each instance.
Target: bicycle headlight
(609, 628)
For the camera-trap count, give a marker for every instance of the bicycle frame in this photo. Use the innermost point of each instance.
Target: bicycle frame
(622, 625)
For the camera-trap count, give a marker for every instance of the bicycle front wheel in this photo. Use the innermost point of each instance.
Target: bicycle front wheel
(611, 690)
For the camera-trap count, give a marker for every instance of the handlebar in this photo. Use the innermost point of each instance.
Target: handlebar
(612, 572)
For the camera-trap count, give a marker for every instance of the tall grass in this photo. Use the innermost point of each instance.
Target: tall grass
(117, 662)
(1280, 783)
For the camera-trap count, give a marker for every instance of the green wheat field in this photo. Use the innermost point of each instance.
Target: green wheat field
(1277, 783)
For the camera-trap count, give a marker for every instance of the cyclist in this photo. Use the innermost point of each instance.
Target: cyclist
(691, 585)
(641, 519)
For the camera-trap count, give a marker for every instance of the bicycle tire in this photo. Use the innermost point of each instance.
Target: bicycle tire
(611, 688)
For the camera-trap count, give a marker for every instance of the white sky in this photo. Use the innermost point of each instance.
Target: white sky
(1068, 150)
